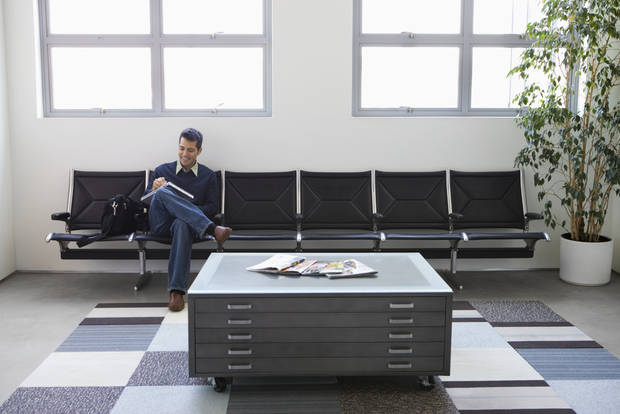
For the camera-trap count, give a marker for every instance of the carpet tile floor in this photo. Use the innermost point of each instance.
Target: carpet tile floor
(509, 357)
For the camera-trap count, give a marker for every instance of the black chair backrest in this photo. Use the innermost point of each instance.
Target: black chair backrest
(260, 200)
(487, 199)
(412, 200)
(92, 189)
(336, 200)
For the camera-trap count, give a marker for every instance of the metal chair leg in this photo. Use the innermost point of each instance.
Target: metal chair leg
(144, 275)
(450, 276)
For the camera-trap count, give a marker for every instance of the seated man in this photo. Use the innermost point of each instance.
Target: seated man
(173, 215)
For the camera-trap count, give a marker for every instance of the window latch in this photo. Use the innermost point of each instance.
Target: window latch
(408, 108)
(214, 110)
(214, 35)
(409, 34)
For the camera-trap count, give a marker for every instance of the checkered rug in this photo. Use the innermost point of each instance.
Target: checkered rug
(507, 357)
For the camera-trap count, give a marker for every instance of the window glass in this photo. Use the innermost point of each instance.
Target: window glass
(396, 16)
(491, 88)
(215, 77)
(505, 16)
(212, 16)
(581, 94)
(99, 17)
(101, 77)
(426, 77)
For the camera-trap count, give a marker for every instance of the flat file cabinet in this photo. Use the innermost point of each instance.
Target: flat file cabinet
(242, 323)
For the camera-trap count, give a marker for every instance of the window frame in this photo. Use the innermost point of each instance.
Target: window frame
(156, 41)
(466, 40)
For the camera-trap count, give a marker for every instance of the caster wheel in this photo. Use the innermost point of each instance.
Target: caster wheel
(219, 384)
(426, 383)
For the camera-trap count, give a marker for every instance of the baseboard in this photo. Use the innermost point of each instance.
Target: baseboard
(490, 269)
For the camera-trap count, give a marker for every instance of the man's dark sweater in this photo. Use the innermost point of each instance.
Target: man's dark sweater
(203, 187)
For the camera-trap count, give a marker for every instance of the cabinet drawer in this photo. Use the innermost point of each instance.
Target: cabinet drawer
(244, 335)
(319, 349)
(318, 366)
(328, 304)
(265, 320)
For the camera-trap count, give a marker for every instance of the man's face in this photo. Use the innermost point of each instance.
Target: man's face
(188, 153)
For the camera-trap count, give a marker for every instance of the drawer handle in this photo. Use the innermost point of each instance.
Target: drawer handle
(401, 305)
(400, 350)
(406, 335)
(239, 352)
(399, 365)
(246, 306)
(239, 337)
(401, 320)
(240, 321)
(239, 366)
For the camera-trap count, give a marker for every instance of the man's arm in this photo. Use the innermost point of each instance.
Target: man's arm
(211, 207)
(155, 179)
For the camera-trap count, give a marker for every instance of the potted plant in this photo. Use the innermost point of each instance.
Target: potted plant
(570, 115)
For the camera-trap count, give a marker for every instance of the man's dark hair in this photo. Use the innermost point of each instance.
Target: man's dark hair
(193, 135)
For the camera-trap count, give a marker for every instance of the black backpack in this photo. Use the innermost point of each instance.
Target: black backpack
(121, 215)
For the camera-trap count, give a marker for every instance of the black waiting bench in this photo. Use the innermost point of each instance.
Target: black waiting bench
(434, 213)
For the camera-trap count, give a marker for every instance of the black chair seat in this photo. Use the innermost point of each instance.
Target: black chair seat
(145, 237)
(276, 236)
(74, 237)
(425, 236)
(234, 236)
(340, 236)
(509, 236)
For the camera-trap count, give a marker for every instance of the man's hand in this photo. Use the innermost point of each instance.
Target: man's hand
(158, 182)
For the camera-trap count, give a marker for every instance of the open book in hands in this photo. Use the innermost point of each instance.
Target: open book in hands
(286, 264)
(175, 188)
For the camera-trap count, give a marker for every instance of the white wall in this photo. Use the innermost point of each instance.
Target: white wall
(614, 215)
(311, 128)
(7, 246)
(614, 204)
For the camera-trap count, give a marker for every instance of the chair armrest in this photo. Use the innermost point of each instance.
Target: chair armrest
(534, 216)
(455, 216)
(61, 216)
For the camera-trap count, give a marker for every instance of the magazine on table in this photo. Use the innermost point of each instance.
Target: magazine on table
(286, 264)
(277, 263)
(175, 188)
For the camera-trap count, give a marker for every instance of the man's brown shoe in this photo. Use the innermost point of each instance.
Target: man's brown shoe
(176, 303)
(222, 233)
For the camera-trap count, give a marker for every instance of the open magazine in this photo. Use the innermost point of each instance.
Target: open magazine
(178, 190)
(286, 264)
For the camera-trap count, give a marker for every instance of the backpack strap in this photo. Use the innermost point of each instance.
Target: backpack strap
(88, 239)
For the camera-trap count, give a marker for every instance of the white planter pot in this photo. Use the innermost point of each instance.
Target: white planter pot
(583, 263)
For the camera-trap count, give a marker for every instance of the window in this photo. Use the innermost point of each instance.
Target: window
(442, 57)
(156, 57)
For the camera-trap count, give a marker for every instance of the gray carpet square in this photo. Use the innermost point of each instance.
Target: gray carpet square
(573, 364)
(60, 400)
(516, 311)
(282, 398)
(101, 338)
(393, 395)
(164, 368)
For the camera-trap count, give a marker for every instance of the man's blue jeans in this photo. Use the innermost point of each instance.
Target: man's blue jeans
(172, 215)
